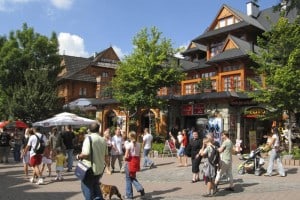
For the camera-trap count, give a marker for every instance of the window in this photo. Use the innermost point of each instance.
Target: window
(216, 48)
(232, 83)
(104, 74)
(226, 22)
(188, 89)
(82, 92)
(231, 68)
(208, 74)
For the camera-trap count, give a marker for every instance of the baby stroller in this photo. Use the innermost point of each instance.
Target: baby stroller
(253, 163)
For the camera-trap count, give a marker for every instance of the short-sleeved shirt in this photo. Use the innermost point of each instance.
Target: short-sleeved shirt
(68, 139)
(33, 141)
(147, 141)
(60, 160)
(226, 155)
(117, 143)
(134, 149)
(276, 143)
(100, 150)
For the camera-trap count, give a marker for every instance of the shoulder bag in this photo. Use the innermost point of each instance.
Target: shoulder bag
(82, 171)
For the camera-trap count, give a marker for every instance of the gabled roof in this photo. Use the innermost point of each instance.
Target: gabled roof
(246, 21)
(242, 50)
(194, 47)
(74, 66)
(106, 55)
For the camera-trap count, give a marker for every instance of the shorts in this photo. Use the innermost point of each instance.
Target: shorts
(35, 160)
(181, 151)
(59, 168)
(46, 160)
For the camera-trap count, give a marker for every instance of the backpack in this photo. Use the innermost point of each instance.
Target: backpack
(214, 157)
(4, 141)
(40, 145)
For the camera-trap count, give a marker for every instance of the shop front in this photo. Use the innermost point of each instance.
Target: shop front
(255, 126)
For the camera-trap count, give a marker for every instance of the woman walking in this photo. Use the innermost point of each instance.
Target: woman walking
(132, 165)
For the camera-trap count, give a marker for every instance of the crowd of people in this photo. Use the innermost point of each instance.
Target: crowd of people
(101, 151)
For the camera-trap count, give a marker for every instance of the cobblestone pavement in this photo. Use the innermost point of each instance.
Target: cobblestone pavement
(165, 181)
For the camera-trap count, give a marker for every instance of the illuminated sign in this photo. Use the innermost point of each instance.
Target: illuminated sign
(255, 112)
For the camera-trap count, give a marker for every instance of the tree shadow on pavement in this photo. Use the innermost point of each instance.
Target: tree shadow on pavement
(14, 185)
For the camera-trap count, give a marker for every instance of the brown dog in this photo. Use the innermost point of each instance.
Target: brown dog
(109, 190)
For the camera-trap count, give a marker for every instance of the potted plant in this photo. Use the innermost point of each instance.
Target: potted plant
(205, 85)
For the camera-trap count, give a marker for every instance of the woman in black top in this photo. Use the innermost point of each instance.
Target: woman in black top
(195, 145)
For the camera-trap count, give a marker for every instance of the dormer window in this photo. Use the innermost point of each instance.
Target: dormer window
(226, 22)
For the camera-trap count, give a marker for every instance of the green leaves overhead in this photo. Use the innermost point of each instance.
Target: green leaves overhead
(279, 61)
(29, 65)
(150, 67)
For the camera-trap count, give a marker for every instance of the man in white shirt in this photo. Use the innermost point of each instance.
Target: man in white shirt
(35, 159)
(116, 151)
(147, 144)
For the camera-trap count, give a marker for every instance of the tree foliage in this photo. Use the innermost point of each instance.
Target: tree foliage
(279, 63)
(29, 65)
(150, 67)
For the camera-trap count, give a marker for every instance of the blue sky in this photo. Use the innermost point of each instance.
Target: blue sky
(87, 26)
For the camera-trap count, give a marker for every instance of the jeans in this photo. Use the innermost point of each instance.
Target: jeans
(131, 181)
(147, 161)
(69, 153)
(17, 153)
(92, 191)
(275, 156)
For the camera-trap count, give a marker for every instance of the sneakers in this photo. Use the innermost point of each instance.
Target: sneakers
(151, 166)
(142, 192)
(32, 180)
(40, 181)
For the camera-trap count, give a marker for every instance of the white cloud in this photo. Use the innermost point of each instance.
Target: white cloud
(72, 45)
(119, 52)
(62, 4)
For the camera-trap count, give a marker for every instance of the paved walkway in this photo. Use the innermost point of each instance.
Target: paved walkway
(165, 181)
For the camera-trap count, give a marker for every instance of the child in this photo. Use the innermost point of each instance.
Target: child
(46, 160)
(60, 160)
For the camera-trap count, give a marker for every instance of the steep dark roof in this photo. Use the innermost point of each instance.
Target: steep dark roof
(243, 49)
(198, 48)
(74, 64)
(268, 17)
(189, 65)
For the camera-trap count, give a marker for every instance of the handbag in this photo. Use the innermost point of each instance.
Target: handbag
(82, 171)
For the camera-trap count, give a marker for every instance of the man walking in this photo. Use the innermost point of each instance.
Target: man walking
(116, 151)
(68, 138)
(99, 151)
(226, 160)
(147, 145)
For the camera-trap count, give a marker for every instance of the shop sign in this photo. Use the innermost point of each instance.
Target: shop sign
(198, 109)
(186, 110)
(192, 109)
(255, 112)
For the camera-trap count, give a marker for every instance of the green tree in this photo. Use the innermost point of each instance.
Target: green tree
(278, 62)
(150, 67)
(29, 65)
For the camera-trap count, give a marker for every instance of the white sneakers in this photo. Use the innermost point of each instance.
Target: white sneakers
(40, 181)
(32, 180)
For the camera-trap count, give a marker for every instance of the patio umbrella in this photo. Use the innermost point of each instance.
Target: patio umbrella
(63, 119)
(13, 124)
